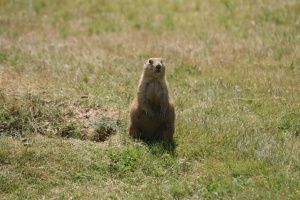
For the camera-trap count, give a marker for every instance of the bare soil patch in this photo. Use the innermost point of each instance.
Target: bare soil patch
(91, 118)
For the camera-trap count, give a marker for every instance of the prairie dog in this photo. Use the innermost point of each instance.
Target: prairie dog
(152, 113)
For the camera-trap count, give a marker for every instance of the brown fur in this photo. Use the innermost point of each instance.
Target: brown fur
(152, 113)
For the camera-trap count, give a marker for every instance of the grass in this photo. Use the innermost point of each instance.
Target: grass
(69, 70)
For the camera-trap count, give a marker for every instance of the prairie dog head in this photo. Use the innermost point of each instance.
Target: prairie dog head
(154, 67)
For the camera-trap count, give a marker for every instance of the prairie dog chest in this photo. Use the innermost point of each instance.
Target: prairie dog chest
(154, 91)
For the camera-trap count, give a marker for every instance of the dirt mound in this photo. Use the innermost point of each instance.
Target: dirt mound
(98, 124)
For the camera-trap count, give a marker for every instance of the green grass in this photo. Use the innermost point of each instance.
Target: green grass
(69, 70)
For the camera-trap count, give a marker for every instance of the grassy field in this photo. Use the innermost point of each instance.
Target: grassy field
(69, 70)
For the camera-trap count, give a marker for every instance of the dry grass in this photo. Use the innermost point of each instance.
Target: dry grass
(233, 70)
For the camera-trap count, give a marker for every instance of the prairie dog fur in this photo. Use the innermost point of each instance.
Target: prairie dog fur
(152, 113)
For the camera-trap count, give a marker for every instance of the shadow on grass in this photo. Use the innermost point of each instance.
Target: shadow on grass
(159, 147)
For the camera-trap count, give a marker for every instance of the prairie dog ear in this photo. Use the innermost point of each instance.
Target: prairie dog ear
(150, 61)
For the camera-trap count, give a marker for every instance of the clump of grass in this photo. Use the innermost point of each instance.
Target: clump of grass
(290, 122)
(123, 161)
(104, 127)
(33, 114)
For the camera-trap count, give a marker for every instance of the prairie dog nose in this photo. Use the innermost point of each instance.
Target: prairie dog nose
(158, 67)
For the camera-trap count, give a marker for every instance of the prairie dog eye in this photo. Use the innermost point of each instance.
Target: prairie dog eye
(151, 62)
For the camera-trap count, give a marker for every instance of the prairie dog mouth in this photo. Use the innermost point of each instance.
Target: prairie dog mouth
(158, 69)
